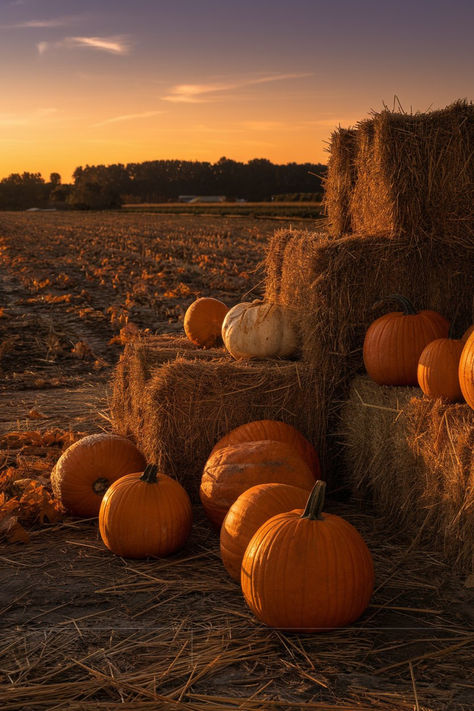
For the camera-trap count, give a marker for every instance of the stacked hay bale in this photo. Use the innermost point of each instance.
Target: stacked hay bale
(399, 198)
(414, 458)
(405, 175)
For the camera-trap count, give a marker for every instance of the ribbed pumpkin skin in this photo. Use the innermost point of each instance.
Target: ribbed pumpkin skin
(466, 371)
(394, 342)
(203, 321)
(306, 575)
(233, 469)
(259, 330)
(467, 333)
(438, 369)
(248, 513)
(92, 462)
(277, 431)
(138, 519)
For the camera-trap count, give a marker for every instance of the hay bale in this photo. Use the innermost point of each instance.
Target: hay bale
(414, 177)
(413, 459)
(191, 403)
(138, 361)
(339, 182)
(333, 285)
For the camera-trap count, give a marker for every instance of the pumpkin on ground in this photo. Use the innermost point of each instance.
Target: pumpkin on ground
(86, 469)
(203, 321)
(467, 333)
(144, 514)
(277, 431)
(438, 369)
(307, 571)
(259, 330)
(466, 371)
(394, 342)
(252, 508)
(233, 469)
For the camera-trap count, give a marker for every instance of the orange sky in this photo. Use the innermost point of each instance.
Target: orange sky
(200, 80)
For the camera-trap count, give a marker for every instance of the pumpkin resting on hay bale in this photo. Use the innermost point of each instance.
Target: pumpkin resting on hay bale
(405, 174)
(413, 458)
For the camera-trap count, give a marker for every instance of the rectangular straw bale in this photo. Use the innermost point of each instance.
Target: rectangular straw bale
(413, 459)
(414, 176)
(335, 287)
(190, 404)
(339, 183)
(140, 357)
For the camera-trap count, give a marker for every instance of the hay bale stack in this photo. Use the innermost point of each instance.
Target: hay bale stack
(334, 285)
(413, 459)
(414, 177)
(339, 183)
(140, 357)
(191, 403)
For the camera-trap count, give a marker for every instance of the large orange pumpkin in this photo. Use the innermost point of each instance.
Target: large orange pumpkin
(305, 570)
(203, 321)
(466, 371)
(394, 342)
(144, 514)
(252, 508)
(438, 369)
(277, 431)
(233, 469)
(86, 469)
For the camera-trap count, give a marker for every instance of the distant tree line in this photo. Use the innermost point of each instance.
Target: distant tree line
(102, 187)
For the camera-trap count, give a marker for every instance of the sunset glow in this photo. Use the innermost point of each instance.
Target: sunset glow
(88, 83)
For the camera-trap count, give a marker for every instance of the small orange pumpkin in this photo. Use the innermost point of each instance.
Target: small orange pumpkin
(467, 333)
(274, 430)
(394, 342)
(252, 508)
(233, 469)
(438, 369)
(307, 570)
(144, 514)
(466, 371)
(86, 469)
(203, 321)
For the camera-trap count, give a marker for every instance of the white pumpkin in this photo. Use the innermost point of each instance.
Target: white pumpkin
(259, 330)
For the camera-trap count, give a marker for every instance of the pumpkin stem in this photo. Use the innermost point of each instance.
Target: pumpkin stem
(407, 306)
(149, 475)
(315, 503)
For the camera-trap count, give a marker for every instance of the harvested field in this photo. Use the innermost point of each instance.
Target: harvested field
(82, 629)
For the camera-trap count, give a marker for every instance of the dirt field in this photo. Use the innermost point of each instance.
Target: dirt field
(82, 629)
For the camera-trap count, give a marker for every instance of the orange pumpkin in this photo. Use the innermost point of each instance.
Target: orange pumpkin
(233, 469)
(438, 369)
(252, 508)
(144, 514)
(274, 430)
(203, 321)
(86, 469)
(466, 371)
(467, 333)
(394, 342)
(307, 570)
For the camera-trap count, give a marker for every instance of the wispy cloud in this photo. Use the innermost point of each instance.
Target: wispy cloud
(33, 117)
(199, 93)
(112, 45)
(128, 117)
(264, 125)
(42, 24)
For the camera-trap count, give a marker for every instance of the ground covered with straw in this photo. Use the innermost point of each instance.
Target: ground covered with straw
(82, 629)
